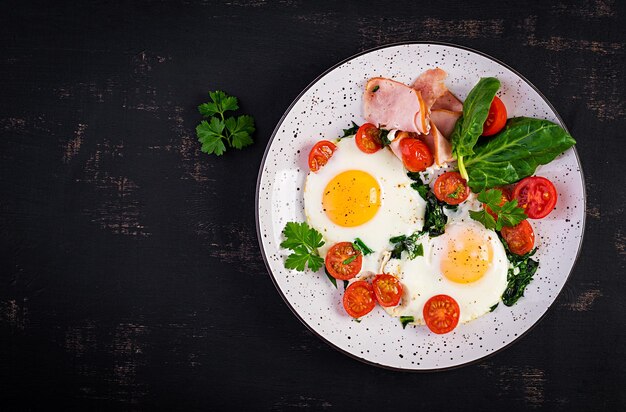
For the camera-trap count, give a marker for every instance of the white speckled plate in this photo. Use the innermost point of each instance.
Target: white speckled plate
(321, 111)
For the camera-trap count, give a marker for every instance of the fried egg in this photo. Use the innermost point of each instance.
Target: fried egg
(366, 196)
(467, 263)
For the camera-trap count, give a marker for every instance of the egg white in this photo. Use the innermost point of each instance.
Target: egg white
(401, 209)
(422, 277)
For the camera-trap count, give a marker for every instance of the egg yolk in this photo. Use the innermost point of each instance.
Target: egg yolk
(351, 198)
(467, 258)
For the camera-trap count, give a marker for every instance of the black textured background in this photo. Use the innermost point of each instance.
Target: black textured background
(130, 273)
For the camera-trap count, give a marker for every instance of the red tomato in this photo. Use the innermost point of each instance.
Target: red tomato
(388, 290)
(451, 188)
(416, 155)
(320, 153)
(496, 119)
(336, 259)
(505, 198)
(368, 138)
(519, 238)
(441, 314)
(359, 299)
(536, 195)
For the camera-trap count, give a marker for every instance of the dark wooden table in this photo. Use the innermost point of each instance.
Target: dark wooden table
(131, 276)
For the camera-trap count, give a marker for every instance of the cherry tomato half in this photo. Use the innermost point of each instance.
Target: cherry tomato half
(320, 153)
(359, 299)
(520, 238)
(368, 138)
(441, 314)
(496, 119)
(388, 290)
(416, 156)
(505, 198)
(536, 195)
(451, 188)
(343, 261)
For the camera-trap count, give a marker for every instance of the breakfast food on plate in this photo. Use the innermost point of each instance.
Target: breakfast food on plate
(423, 208)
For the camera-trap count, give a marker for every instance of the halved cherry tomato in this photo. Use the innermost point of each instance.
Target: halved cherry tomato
(536, 195)
(505, 198)
(520, 238)
(496, 119)
(451, 188)
(388, 290)
(320, 153)
(441, 314)
(359, 299)
(343, 261)
(368, 138)
(416, 155)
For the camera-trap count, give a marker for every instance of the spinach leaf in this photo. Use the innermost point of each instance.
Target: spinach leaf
(469, 126)
(434, 218)
(519, 276)
(421, 187)
(330, 277)
(405, 320)
(516, 152)
(408, 244)
(351, 130)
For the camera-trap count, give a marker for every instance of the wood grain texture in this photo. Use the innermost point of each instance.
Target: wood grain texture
(131, 276)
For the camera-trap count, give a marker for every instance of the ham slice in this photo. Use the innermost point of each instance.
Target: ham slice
(444, 120)
(439, 146)
(448, 101)
(430, 84)
(394, 105)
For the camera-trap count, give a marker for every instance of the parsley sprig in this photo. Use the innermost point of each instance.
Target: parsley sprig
(303, 240)
(509, 214)
(212, 133)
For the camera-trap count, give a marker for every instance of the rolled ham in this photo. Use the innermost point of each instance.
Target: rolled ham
(394, 105)
(431, 85)
(444, 120)
(439, 146)
(448, 101)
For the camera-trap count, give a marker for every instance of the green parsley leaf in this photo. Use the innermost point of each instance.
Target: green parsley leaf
(491, 309)
(304, 241)
(483, 217)
(509, 214)
(240, 131)
(236, 132)
(375, 89)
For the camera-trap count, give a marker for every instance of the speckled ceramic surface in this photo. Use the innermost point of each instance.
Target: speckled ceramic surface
(321, 111)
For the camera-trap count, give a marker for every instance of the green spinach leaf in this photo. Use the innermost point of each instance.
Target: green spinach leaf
(519, 276)
(515, 153)
(350, 131)
(469, 126)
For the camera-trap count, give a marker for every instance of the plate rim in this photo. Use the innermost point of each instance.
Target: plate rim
(258, 186)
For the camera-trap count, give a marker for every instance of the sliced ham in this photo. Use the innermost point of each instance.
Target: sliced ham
(431, 85)
(444, 120)
(394, 105)
(448, 101)
(439, 146)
